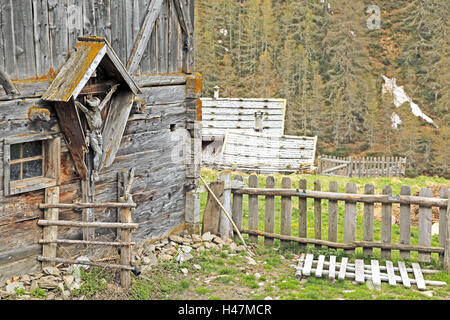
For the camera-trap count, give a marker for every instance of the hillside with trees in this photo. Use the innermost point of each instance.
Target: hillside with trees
(324, 57)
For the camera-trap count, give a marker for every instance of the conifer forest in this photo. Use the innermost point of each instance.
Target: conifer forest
(331, 60)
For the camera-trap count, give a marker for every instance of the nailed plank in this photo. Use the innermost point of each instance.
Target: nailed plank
(308, 264)
(89, 23)
(319, 268)
(212, 210)
(237, 207)
(58, 32)
(269, 223)
(405, 223)
(286, 210)
(301, 261)
(343, 269)
(368, 219)
(41, 37)
(253, 208)
(375, 268)
(359, 271)
(102, 16)
(404, 274)
(144, 35)
(24, 40)
(390, 272)
(75, 21)
(332, 268)
(386, 223)
(443, 235)
(425, 225)
(420, 282)
(9, 46)
(50, 233)
(163, 38)
(317, 212)
(303, 213)
(350, 218)
(333, 214)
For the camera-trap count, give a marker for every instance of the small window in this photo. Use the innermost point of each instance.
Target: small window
(27, 161)
(31, 165)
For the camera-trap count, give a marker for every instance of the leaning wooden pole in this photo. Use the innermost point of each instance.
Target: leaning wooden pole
(227, 215)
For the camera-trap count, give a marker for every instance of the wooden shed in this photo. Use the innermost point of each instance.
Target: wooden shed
(90, 90)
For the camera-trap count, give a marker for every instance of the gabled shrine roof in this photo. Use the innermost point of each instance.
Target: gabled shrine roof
(90, 52)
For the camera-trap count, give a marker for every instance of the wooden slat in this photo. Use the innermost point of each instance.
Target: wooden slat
(317, 212)
(333, 214)
(391, 274)
(89, 263)
(319, 268)
(375, 268)
(420, 282)
(303, 213)
(343, 268)
(286, 210)
(41, 37)
(163, 38)
(368, 219)
(404, 274)
(298, 273)
(77, 224)
(238, 207)
(58, 32)
(350, 218)
(425, 225)
(253, 208)
(269, 224)
(386, 223)
(308, 264)
(359, 271)
(443, 235)
(332, 268)
(447, 242)
(405, 223)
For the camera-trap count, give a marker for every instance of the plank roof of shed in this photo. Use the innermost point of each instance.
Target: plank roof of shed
(220, 114)
(267, 151)
(73, 76)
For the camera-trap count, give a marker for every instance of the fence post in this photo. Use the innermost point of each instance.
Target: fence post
(286, 210)
(386, 223)
(405, 223)
(447, 243)
(333, 214)
(225, 226)
(269, 224)
(237, 207)
(253, 208)
(350, 218)
(443, 222)
(302, 213)
(425, 225)
(317, 212)
(368, 219)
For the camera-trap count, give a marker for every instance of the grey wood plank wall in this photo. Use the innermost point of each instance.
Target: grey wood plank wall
(37, 36)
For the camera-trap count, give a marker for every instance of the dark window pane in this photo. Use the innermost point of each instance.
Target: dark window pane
(14, 172)
(32, 169)
(15, 151)
(32, 149)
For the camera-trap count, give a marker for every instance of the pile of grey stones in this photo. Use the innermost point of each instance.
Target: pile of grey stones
(60, 282)
(181, 248)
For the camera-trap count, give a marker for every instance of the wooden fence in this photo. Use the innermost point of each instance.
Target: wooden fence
(362, 167)
(425, 201)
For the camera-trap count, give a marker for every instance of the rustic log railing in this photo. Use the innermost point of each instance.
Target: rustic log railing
(362, 167)
(50, 223)
(350, 199)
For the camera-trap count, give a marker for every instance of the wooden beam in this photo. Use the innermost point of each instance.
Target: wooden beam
(50, 233)
(88, 263)
(86, 205)
(7, 84)
(88, 243)
(144, 35)
(188, 32)
(77, 224)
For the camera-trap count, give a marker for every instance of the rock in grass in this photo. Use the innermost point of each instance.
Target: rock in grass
(207, 237)
(11, 288)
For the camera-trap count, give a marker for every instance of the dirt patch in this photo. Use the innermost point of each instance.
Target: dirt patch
(436, 190)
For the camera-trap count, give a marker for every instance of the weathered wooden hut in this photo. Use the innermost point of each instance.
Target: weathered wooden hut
(89, 89)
